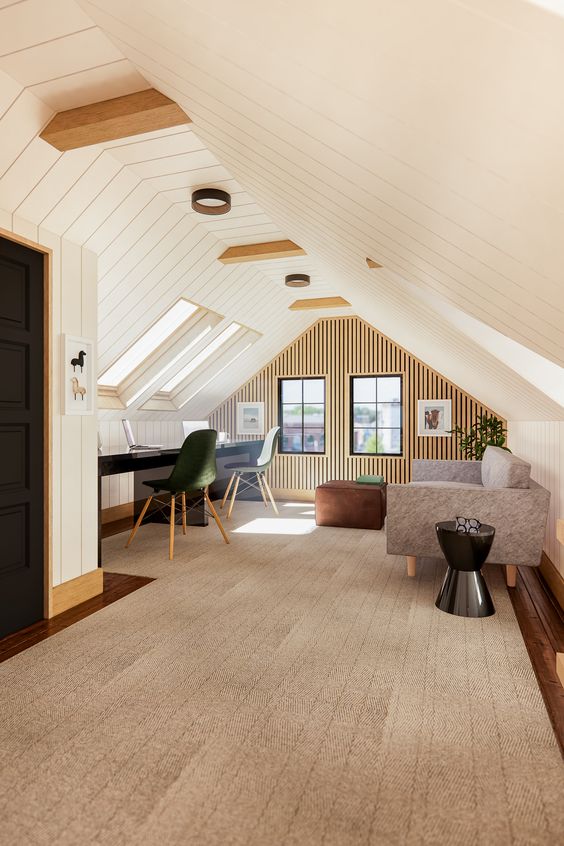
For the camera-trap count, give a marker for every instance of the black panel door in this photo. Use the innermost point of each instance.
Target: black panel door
(21, 436)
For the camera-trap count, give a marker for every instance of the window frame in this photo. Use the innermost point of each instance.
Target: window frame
(352, 427)
(302, 379)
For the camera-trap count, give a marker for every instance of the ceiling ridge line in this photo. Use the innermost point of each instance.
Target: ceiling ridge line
(395, 226)
(421, 258)
(451, 221)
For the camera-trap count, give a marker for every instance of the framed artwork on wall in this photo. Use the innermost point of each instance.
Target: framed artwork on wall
(250, 418)
(77, 377)
(434, 418)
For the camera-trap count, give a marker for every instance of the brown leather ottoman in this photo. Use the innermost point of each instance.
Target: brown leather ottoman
(350, 505)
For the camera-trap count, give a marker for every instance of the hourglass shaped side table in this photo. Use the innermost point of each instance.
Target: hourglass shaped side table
(464, 591)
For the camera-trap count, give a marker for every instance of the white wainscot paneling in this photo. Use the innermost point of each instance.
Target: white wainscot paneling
(542, 444)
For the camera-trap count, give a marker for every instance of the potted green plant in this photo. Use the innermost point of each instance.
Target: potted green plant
(487, 431)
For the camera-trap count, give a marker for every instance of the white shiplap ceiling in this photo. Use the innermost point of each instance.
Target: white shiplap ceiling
(427, 136)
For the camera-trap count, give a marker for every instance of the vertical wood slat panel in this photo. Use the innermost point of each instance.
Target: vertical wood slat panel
(337, 348)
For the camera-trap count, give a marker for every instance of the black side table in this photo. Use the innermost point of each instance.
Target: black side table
(464, 591)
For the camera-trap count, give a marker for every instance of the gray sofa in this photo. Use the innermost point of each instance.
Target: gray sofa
(497, 490)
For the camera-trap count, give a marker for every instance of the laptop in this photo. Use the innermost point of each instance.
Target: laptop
(189, 426)
(131, 440)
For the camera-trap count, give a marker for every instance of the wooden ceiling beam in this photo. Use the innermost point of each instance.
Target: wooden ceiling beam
(260, 252)
(109, 120)
(319, 302)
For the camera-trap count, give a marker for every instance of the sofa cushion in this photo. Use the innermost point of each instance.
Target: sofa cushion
(501, 469)
(472, 486)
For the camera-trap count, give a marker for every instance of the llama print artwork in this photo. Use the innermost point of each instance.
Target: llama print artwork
(77, 389)
(77, 368)
(78, 361)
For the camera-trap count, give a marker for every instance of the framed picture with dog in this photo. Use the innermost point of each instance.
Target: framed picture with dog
(434, 418)
(77, 372)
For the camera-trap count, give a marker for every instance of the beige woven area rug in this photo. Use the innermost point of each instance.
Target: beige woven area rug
(294, 687)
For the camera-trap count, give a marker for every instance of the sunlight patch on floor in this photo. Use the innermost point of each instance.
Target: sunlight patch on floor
(304, 504)
(276, 526)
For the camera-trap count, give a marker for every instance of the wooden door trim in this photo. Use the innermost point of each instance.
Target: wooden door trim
(47, 408)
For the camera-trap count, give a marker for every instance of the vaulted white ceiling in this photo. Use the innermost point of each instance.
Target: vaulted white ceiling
(426, 136)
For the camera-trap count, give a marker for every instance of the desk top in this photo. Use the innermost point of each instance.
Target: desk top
(117, 461)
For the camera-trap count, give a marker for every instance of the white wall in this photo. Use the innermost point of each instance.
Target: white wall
(74, 439)
(117, 490)
(542, 444)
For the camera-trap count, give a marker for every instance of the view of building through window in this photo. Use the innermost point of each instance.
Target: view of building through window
(376, 415)
(302, 415)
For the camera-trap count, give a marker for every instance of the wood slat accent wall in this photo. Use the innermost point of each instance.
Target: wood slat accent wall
(337, 348)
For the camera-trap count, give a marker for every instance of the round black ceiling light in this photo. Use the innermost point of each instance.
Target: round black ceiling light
(211, 201)
(297, 280)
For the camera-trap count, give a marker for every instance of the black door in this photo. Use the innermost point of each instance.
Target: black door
(21, 436)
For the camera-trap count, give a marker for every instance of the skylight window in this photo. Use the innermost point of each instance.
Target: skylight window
(168, 365)
(164, 327)
(199, 359)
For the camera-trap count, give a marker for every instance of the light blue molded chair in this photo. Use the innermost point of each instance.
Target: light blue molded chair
(263, 463)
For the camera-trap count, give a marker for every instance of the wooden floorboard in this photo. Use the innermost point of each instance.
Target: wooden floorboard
(124, 524)
(116, 586)
(542, 624)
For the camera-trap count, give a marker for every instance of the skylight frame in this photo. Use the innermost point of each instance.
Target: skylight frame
(148, 343)
(213, 347)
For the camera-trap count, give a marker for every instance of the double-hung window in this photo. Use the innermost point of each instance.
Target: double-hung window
(302, 415)
(376, 415)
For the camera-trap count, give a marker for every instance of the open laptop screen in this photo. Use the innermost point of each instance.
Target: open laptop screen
(128, 433)
(189, 426)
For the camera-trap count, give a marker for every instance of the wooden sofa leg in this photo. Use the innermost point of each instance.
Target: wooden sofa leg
(411, 565)
(511, 575)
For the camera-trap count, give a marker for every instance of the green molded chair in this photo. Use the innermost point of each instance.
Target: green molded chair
(192, 474)
(258, 470)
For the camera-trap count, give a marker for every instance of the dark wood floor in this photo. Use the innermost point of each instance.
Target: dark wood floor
(542, 624)
(117, 526)
(116, 586)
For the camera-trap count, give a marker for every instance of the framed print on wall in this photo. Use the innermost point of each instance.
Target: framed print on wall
(434, 418)
(250, 418)
(77, 377)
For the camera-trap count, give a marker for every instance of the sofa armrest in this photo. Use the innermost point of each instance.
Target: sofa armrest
(430, 470)
(519, 516)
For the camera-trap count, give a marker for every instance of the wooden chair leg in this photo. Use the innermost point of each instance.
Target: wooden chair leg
(259, 480)
(232, 503)
(139, 521)
(511, 575)
(171, 534)
(411, 565)
(269, 492)
(216, 517)
(227, 489)
(183, 512)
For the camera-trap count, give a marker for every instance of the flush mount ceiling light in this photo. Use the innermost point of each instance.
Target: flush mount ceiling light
(211, 201)
(297, 280)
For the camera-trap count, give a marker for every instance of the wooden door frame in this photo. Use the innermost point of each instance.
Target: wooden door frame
(47, 407)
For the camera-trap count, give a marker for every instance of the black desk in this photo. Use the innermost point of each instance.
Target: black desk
(144, 464)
